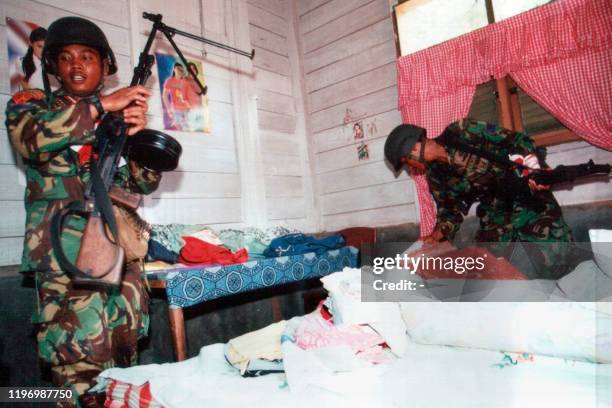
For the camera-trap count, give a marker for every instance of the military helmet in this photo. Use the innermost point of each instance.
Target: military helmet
(400, 142)
(75, 30)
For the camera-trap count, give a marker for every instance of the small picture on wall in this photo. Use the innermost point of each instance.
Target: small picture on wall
(185, 107)
(362, 152)
(358, 131)
(25, 41)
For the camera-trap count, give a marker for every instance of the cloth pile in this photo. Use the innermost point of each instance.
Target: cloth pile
(201, 245)
(257, 353)
(342, 341)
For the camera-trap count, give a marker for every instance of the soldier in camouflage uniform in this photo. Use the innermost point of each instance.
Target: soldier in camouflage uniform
(80, 330)
(457, 179)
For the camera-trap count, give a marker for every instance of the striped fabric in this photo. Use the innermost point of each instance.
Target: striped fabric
(124, 395)
(560, 54)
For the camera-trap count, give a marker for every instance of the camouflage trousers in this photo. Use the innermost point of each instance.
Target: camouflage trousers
(81, 330)
(546, 239)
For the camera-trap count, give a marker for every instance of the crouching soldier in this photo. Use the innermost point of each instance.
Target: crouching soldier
(465, 165)
(80, 330)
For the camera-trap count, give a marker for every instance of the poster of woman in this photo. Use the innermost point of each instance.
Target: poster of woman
(25, 42)
(185, 107)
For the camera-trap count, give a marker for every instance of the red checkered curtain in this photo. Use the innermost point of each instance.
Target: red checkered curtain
(560, 54)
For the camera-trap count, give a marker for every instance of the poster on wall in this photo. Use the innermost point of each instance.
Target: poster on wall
(25, 41)
(184, 106)
(363, 152)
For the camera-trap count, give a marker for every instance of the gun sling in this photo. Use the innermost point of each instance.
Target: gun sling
(104, 206)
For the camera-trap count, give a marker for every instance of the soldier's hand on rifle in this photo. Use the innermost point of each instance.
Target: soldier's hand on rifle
(124, 97)
(537, 187)
(135, 117)
(534, 186)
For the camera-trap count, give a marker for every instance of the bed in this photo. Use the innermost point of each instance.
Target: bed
(459, 354)
(187, 286)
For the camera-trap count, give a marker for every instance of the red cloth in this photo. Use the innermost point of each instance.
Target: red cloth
(559, 53)
(124, 395)
(85, 153)
(198, 252)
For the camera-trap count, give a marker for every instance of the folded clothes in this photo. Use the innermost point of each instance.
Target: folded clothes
(158, 252)
(198, 252)
(316, 330)
(170, 235)
(259, 350)
(255, 240)
(207, 235)
(296, 244)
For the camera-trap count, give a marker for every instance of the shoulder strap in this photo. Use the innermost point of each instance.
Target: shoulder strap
(103, 205)
(450, 141)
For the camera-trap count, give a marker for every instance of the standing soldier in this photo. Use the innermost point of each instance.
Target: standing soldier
(461, 169)
(80, 330)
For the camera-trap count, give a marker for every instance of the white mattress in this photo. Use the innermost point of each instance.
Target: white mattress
(426, 376)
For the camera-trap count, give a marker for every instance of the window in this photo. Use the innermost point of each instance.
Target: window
(424, 23)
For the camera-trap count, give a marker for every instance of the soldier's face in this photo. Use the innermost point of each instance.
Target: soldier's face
(412, 159)
(80, 68)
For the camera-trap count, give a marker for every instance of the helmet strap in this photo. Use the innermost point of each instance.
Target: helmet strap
(422, 152)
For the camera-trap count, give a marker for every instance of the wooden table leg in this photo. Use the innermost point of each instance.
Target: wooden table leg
(177, 329)
(277, 312)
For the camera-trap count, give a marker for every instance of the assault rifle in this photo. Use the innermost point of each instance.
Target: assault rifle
(513, 185)
(100, 259)
(567, 174)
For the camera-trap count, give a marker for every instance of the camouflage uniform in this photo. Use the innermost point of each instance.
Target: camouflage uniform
(504, 217)
(80, 331)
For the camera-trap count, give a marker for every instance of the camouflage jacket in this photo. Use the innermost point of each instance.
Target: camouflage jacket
(42, 130)
(468, 178)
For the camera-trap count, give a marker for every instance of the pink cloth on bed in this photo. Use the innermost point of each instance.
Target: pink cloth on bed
(315, 331)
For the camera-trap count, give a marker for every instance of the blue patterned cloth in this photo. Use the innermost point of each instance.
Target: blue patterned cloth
(188, 286)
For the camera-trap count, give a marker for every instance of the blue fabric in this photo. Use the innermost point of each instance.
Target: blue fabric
(295, 244)
(158, 252)
(189, 286)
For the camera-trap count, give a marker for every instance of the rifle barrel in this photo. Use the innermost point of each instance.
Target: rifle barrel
(211, 42)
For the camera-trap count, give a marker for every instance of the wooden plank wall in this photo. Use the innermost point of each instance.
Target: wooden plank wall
(280, 113)
(349, 68)
(320, 66)
(207, 188)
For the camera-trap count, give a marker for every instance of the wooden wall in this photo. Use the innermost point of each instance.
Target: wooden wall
(349, 69)
(280, 112)
(256, 113)
(281, 149)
